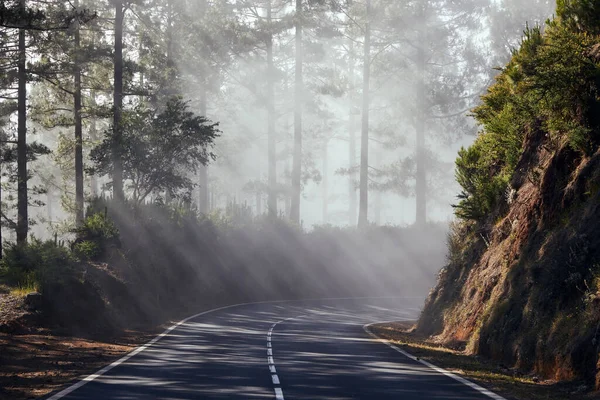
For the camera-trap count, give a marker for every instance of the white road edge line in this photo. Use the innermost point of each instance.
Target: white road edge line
(139, 349)
(482, 390)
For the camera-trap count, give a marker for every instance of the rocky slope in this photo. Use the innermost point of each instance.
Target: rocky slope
(522, 284)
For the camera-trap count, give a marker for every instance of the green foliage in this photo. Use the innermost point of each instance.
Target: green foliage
(36, 263)
(551, 84)
(159, 149)
(480, 187)
(87, 250)
(95, 236)
(582, 15)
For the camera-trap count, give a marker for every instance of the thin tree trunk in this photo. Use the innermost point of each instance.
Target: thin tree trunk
(377, 203)
(288, 197)
(117, 177)
(363, 218)
(1, 244)
(22, 197)
(377, 208)
(93, 132)
(171, 89)
(352, 199)
(203, 177)
(272, 149)
(93, 136)
(168, 88)
(203, 190)
(297, 163)
(79, 196)
(49, 205)
(421, 176)
(258, 203)
(141, 39)
(325, 182)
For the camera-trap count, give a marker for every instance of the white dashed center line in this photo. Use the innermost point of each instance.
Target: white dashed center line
(274, 376)
(271, 361)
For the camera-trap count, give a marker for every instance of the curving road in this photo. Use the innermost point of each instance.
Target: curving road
(292, 350)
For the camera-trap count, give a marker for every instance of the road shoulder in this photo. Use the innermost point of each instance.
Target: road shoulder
(503, 381)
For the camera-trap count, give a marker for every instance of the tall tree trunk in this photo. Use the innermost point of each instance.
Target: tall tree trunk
(203, 190)
(378, 205)
(363, 218)
(326, 182)
(117, 177)
(93, 132)
(1, 244)
(272, 149)
(49, 205)
(258, 203)
(79, 197)
(352, 199)
(421, 176)
(22, 206)
(297, 163)
(288, 197)
(94, 137)
(203, 177)
(171, 88)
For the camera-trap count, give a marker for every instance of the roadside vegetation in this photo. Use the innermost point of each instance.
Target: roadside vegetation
(521, 283)
(143, 263)
(509, 383)
(126, 273)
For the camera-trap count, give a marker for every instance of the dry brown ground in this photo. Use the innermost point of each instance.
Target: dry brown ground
(36, 361)
(35, 364)
(506, 382)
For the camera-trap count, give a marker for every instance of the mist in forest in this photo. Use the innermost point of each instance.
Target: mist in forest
(325, 114)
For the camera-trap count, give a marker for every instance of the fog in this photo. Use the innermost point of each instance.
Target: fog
(462, 43)
(331, 113)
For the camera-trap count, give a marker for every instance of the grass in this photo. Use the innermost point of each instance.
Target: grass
(20, 289)
(504, 381)
(23, 290)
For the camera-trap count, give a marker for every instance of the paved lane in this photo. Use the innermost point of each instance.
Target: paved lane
(296, 350)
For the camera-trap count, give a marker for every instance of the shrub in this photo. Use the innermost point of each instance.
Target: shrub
(87, 250)
(95, 236)
(36, 263)
(551, 84)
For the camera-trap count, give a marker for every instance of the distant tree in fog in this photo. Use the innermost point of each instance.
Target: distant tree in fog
(23, 23)
(158, 149)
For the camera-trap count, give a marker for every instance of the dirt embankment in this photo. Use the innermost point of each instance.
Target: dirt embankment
(524, 290)
(37, 362)
(79, 328)
(510, 383)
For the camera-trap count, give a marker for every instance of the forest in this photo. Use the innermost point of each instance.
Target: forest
(175, 143)
(164, 156)
(249, 118)
(316, 111)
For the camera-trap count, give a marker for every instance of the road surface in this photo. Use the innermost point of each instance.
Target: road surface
(296, 350)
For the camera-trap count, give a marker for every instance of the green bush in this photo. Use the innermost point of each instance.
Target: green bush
(87, 250)
(581, 15)
(482, 186)
(36, 263)
(95, 236)
(551, 85)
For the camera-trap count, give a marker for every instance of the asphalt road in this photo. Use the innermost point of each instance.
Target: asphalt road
(300, 350)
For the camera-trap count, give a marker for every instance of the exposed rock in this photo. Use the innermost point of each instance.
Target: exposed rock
(594, 52)
(34, 301)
